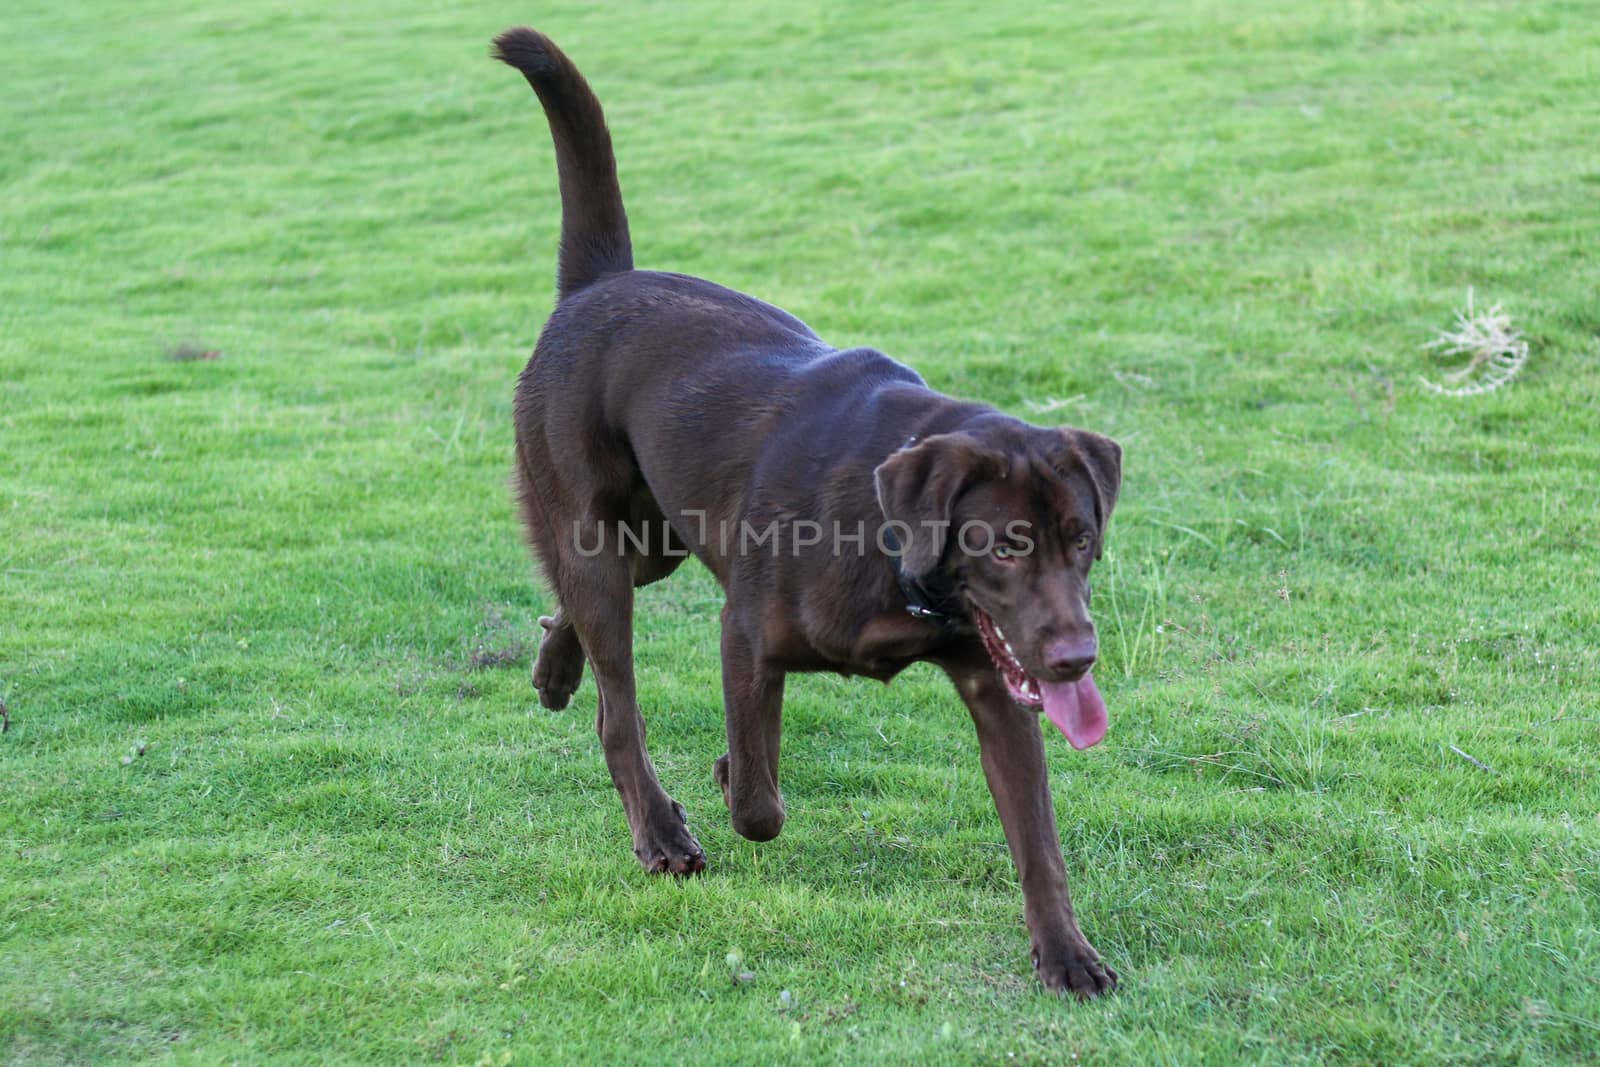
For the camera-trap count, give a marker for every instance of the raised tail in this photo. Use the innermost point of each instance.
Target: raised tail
(594, 228)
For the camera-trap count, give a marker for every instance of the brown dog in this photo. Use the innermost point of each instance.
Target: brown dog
(857, 521)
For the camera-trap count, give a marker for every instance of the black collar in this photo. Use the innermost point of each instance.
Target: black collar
(922, 602)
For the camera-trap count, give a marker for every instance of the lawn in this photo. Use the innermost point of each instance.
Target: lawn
(276, 787)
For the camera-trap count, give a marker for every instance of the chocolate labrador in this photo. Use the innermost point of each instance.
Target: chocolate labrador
(857, 521)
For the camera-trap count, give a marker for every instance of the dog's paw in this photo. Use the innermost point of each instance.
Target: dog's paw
(559, 666)
(667, 847)
(759, 817)
(1078, 970)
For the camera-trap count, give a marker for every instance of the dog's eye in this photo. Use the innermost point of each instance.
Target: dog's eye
(1083, 542)
(1004, 552)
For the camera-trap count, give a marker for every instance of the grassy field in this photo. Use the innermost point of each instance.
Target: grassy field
(276, 787)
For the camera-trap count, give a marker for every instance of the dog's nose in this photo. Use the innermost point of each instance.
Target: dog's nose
(1072, 656)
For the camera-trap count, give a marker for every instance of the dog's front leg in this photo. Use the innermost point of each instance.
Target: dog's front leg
(752, 696)
(1012, 750)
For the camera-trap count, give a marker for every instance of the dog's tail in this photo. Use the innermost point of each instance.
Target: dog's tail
(594, 228)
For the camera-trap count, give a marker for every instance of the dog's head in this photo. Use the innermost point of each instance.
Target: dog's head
(1005, 520)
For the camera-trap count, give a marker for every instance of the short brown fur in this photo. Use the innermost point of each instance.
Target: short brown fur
(682, 409)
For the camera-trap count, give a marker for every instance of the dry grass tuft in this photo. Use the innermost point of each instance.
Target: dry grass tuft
(188, 352)
(1495, 349)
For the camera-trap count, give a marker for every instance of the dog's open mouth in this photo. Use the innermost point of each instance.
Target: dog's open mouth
(1076, 708)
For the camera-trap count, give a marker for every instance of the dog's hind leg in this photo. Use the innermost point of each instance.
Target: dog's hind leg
(752, 696)
(597, 597)
(559, 666)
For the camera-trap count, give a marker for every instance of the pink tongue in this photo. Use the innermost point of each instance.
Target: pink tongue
(1077, 709)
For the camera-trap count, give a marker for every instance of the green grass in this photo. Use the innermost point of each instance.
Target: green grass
(276, 787)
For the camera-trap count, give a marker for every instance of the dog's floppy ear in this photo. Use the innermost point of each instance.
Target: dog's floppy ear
(1102, 458)
(918, 485)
